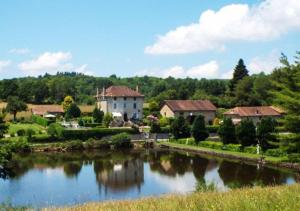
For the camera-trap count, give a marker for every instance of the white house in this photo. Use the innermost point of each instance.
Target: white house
(121, 102)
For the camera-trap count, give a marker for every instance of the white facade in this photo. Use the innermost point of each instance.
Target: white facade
(132, 107)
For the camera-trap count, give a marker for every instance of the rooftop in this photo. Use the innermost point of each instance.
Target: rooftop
(121, 91)
(43, 109)
(254, 111)
(190, 105)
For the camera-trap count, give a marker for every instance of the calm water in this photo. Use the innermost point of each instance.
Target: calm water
(42, 179)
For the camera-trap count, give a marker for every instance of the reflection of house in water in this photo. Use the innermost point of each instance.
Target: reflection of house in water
(120, 176)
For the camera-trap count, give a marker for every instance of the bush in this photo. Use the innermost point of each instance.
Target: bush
(250, 150)
(73, 111)
(294, 157)
(21, 132)
(97, 133)
(29, 133)
(264, 130)
(212, 128)
(41, 121)
(165, 129)
(246, 133)
(163, 122)
(96, 144)
(74, 145)
(211, 144)
(44, 138)
(55, 130)
(227, 131)
(107, 119)
(121, 140)
(186, 141)
(155, 127)
(232, 147)
(199, 131)
(12, 134)
(180, 128)
(275, 153)
(98, 115)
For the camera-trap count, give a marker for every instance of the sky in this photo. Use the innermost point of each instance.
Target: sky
(183, 38)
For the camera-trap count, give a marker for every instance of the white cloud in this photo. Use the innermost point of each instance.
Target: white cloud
(4, 64)
(84, 70)
(264, 64)
(235, 22)
(19, 51)
(208, 70)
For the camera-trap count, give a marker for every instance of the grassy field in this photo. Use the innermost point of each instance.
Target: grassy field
(13, 128)
(267, 198)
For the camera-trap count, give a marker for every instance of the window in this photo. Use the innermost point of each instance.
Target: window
(124, 105)
(134, 98)
(115, 98)
(165, 113)
(134, 105)
(125, 98)
(115, 105)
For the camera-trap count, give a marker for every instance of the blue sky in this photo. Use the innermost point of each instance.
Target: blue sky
(139, 37)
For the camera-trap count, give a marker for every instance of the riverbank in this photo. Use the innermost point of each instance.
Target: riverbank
(242, 156)
(267, 198)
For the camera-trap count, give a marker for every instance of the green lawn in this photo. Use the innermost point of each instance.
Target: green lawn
(246, 199)
(239, 154)
(14, 127)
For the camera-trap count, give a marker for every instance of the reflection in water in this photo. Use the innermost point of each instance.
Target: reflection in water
(70, 178)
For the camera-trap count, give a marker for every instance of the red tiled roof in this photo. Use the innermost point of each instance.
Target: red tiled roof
(253, 111)
(190, 105)
(43, 109)
(121, 91)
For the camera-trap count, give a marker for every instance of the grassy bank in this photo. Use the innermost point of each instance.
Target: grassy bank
(268, 198)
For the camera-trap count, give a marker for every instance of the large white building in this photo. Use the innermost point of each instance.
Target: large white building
(121, 102)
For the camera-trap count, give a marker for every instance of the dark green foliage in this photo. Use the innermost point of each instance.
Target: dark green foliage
(40, 120)
(240, 71)
(180, 128)
(246, 133)
(232, 147)
(292, 123)
(15, 105)
(98, 115)
(212, 128)
(96, 133)
(211, 144)
(199, 131)
(73, 111)
(155, 127)
(55, 130)
(275, 153)
(3, 126)
(74, 145)
(294, 157)
(121, 140)
(264, 130)
(30, 133)
(227, 131)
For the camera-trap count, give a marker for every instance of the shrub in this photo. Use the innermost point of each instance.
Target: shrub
(12, 134)
(275, 153)
(199, 131)
(180, 128)
(73, 111)
(250, 150)
(74, 145)
(155, 127)
(98, 115)
(165, 129)
(40, 120)
(212, 128)
(246, 133)
(44, 138)
(121, 140)
(29, 133)
(211, 144)
(227, 131)
(21, 132)
(216, 121)
(264, 130)
(55, 130)
(163, 122)
(107, 119)
(232, 147)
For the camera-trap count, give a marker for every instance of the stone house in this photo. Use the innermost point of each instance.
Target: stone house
(255, 113)
(122, 102)
(189, 109)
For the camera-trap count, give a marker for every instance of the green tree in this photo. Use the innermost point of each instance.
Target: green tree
(15, 105)
(264, 130)
(246, 133)
(244, 95)
(153, 106)
(107, 119)
(98, 115)
(3, 126)
(240, 71)
(68, 100)
(73, 111)
(199, 131)
(227, 131)
(180, 128)
(55, 130)
(155, 127)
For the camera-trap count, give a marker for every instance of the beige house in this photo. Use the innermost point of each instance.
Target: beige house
(122, 102)
(189, 109)
(255, 113)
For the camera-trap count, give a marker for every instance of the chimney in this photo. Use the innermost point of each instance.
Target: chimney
(103, 93)
(137, 88)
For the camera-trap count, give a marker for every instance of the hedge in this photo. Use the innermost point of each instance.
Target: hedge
(41, 121)
(211, 144)
(212, 128)
(84, 134)
(93, 125)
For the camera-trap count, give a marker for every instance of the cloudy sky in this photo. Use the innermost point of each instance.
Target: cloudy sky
(184, 38)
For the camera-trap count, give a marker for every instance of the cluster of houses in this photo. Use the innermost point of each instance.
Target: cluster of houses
(126, 104)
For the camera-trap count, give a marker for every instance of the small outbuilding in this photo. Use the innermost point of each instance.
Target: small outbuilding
(255, 113)
(189, 109)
